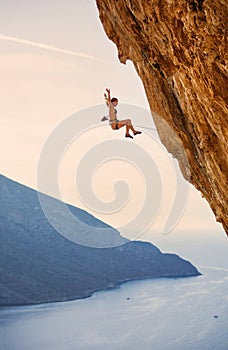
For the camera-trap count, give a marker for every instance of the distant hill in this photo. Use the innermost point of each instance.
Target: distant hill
(39, 265)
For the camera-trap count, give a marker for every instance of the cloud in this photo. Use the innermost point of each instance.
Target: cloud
(46, 47)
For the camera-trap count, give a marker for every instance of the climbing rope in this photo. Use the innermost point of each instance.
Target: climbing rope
(145, 127)
(138, 126)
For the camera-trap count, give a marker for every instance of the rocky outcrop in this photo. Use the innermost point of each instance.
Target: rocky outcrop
(179, 51)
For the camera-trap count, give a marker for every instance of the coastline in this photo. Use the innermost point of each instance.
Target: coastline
(156, 313)
(91, 293)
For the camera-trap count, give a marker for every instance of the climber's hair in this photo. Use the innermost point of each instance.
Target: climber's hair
(114, 99)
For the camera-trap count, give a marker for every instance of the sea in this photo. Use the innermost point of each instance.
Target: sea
(151, 314)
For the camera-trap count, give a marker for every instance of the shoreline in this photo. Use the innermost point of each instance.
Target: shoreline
(90, 294)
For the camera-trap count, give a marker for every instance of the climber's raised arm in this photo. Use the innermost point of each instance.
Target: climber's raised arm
(107, 96)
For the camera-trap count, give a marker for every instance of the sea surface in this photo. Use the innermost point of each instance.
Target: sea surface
(153, 314)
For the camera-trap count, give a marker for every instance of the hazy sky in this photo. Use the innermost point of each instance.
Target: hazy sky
(55, 61)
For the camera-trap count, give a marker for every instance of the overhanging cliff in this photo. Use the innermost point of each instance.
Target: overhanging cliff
(179, 50)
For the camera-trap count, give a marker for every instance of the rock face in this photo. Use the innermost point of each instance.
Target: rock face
(179, 50)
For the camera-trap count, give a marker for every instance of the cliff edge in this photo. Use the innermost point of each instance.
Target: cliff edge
(179, 49)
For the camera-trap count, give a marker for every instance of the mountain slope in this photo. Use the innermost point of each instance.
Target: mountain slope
(38, 265)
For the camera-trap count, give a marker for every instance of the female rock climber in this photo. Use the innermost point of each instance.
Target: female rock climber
(113, 120)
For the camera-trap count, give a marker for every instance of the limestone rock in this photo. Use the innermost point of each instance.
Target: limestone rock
(179, 49)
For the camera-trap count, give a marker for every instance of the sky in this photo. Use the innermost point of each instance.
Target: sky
(56, 61)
